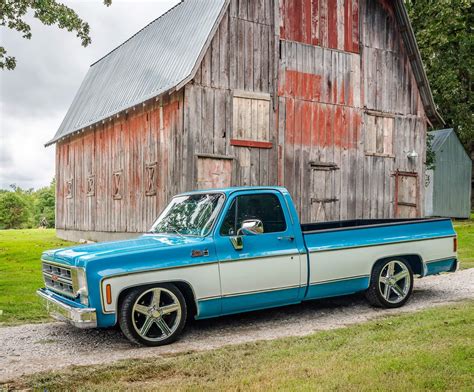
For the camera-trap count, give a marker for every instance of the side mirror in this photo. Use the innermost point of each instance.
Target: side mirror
(251, 227)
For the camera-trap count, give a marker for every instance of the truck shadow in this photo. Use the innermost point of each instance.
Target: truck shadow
(263, 324)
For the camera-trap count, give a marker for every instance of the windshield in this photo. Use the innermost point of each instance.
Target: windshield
(189, 215)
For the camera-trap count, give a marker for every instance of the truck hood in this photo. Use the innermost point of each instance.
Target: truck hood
(149, 244)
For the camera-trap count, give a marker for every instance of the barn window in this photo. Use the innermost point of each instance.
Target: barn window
(69, 189)
(151, 179)
(406, 195)
(251, 120)
(379, 134)
(117, 185)
(213, 171)
(90, 186)
(323, 191)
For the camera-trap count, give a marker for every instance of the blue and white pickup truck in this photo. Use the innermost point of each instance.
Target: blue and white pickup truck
(217, 252)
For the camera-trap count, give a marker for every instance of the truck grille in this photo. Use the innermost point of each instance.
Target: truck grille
(59, 279)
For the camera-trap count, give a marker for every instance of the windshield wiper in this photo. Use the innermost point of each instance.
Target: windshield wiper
(177, 232)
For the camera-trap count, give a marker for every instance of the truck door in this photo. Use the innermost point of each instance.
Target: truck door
(266, 270)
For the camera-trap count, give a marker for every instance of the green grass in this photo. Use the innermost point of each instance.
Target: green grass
(429, 350)
(20, 273)
(465, 230)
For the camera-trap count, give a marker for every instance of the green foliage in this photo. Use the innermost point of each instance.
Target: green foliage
(14, 211)
(34, 208)
(48, 12)
(430, 154)
(44, 206)
(444, 32)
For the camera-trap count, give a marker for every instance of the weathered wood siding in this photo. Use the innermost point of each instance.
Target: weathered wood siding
(130, 166)
(316, 95)
(329, 23)
(348, 118)
(230, 96)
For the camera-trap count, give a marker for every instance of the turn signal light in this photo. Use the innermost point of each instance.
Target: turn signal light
(455, 244)
(108, 294)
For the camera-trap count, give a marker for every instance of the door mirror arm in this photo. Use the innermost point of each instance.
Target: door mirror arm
(249, 227)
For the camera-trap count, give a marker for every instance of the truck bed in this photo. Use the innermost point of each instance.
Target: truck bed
(308, 228)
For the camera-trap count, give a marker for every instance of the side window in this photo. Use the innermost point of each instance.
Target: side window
(265, 207)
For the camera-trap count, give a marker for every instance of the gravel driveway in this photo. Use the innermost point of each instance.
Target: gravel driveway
(32, 348)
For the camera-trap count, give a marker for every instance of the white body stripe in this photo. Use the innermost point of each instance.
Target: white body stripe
(204, 280)
(338, 264)
(262, 273)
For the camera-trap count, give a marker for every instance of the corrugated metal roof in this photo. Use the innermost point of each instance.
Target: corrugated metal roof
(439, 137)
(153, 61)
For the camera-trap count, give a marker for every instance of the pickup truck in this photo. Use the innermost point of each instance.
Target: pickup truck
(217, 252)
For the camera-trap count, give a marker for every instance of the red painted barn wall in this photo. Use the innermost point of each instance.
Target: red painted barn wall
(124, 150)
(330, 23)
(342, 62)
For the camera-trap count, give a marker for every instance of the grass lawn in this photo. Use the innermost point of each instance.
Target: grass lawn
(20, 273)
(429, 350)
(465, 230)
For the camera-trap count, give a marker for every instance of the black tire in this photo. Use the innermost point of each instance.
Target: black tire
(376, 294)
(132, 321)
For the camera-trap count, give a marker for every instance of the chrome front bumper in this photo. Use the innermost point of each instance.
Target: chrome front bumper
(78, 316)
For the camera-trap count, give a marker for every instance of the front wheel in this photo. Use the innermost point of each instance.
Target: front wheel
(153, 316)
(391, 283)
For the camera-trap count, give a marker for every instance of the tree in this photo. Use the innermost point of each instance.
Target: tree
(14, 212)
(44, 206)
(444, 31)
(49, 12)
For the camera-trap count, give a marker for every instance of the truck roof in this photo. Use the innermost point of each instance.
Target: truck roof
(229, 190)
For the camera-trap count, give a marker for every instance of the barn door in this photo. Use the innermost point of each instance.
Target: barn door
(406, 195)
(213, 172)
(324, 200)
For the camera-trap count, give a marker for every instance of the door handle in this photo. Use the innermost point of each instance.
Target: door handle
(286, 238)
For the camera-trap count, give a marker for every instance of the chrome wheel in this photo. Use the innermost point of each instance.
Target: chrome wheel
(156, 314)
(394, 281)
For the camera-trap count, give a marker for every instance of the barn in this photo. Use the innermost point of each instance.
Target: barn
(326, 97)
(448, 185)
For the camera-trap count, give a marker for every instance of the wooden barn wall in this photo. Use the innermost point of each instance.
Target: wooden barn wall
(330, 102)
(239, 59)
(329, 111)
(329, 23)
(122, 172)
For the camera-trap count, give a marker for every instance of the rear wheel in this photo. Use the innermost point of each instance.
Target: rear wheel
(153, 316)
(391, 283)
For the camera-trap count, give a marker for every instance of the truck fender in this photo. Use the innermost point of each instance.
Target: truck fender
(415, 260)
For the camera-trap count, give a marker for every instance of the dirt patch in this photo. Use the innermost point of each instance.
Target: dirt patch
(33, 348)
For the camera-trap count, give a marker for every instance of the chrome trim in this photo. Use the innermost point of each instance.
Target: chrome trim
(67, 276)
(339, 279)
(78, 317)
(298, 286)
(442, 259)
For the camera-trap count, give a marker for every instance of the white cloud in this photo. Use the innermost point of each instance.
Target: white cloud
(35, 96)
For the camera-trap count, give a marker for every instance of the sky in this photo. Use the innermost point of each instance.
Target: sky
(35, 97)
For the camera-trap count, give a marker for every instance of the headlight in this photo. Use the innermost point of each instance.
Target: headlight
(79, 284)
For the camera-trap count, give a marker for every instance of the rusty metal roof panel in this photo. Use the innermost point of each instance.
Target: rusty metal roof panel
(153, 61)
